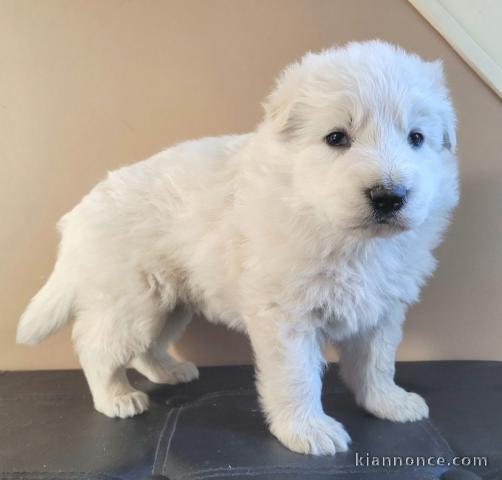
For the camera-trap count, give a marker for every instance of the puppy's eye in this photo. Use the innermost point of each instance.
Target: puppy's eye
(337, 139)
(415, 139)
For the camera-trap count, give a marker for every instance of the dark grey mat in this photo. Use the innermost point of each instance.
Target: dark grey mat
(213, 429)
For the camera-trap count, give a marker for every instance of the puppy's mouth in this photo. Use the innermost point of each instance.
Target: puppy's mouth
(384, 225)
(390, 226)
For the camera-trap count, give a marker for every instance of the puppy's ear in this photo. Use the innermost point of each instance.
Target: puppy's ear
(449, 134)
(279, 104)
(446, 111)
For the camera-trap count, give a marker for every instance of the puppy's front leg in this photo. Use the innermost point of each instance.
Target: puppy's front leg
(289, 365)
(367, 367)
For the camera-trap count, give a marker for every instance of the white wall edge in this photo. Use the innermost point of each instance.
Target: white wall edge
(462, 42)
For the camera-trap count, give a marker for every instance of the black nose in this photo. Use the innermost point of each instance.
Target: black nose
(386, 200)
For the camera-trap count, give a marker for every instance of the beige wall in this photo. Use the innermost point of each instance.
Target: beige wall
(87, 86)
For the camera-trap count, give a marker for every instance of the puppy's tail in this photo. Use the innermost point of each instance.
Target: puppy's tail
(49, 310)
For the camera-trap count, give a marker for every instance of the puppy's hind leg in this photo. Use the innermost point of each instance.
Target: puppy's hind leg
(156, 364)
(104, 365)
(112, 393)
(107, 336)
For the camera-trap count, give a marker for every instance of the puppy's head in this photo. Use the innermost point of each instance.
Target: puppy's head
(369, 134)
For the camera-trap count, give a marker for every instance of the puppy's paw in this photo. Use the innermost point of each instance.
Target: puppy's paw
(123, 406)
(165, 371)
(315, 435)
(397, 405)
(181, 372)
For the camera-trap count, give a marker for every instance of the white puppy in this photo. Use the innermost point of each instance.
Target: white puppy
(317, 227)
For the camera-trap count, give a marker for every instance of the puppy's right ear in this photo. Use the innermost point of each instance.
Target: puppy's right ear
(445, 106)
(279, 104)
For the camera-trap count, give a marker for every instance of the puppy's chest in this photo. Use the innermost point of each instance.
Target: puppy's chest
(352, 296)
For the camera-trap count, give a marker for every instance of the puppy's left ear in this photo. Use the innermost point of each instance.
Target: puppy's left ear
(279, 104)
(446, 110)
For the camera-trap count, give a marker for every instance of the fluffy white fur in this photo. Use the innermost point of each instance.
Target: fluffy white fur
(272, 234)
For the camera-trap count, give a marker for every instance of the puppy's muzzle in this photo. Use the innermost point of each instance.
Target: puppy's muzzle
(387, 200)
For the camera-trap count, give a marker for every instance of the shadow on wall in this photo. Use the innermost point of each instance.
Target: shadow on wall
(205, 343)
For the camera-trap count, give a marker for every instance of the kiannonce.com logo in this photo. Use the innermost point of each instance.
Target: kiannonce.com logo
(368, 460)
